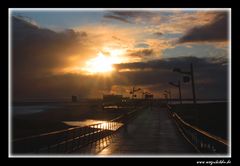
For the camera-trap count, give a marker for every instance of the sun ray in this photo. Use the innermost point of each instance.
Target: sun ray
(100, 64)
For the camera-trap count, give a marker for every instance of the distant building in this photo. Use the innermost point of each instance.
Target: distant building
(148, 96)
(112, 100)
(74, 98)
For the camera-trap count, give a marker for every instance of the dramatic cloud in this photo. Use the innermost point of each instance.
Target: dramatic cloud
(210, 75)
(42, 50)
(117, 18)
(141, 52)
(159, 45)
(158, 33)
(44, 61)
(177, 22)
(130, 16)
(48, 63)
(170, 63)
(39, 53)
(142, 45)
(216, 30)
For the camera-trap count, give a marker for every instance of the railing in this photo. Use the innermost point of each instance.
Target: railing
(201, 140)
(72, 139)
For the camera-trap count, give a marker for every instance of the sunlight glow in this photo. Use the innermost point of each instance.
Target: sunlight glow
(105, 125)
(102, 63)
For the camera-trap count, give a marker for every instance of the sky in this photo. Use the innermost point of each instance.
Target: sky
(57, 54)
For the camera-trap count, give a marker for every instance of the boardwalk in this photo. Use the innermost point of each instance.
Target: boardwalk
(153, 132)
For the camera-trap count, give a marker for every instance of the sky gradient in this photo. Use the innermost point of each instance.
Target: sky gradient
(56, 54)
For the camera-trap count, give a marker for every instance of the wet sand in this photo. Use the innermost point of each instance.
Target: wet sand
(53, 118)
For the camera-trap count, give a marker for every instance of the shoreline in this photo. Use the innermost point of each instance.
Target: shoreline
(53, 119)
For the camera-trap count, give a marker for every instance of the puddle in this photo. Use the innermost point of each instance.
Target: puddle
(102, 124)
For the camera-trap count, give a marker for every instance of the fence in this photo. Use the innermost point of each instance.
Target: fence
(72, 139)
(202, 140)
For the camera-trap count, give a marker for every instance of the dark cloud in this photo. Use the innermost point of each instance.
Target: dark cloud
(119, 40)
(217, 30)
(141, 45)
(36, 51)
(142, 52)
(158, 33)
(117, 18)
(211, 76)
(128, 16)
(166, 63)
(37, 48)
(60, 86)
(132, 14)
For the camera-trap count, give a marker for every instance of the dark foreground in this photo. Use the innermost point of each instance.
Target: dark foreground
(152, 132)
(53, 119)
(210, 117)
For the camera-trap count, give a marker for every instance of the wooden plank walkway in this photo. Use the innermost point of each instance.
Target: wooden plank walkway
(153, 132)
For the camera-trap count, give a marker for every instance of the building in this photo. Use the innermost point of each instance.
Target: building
(112, 101)
(74, 98)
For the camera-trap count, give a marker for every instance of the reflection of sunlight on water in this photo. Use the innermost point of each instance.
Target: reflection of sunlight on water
(83, 123)
(111, 106)
(108, 126)
(99, 146)
(102, 124)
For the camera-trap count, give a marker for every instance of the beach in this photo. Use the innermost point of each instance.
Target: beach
(63, 116)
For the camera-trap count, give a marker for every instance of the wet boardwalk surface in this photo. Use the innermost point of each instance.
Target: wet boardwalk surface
(153, 132)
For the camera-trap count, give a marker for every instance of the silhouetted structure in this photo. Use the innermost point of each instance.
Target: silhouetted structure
(187, 79)
(179, 89)
(112, 101)
(74, 98)
(148, 96)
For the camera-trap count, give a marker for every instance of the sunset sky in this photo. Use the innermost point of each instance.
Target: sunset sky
(56, 54)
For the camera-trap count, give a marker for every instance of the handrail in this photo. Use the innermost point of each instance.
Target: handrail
(203, 141)
(216, 138)
(75, 135)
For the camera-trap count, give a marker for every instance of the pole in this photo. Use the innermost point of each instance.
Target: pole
(194, 95)
(180, 94)
(170, 96)
(193, 84)
(167, 98)
(133, 92)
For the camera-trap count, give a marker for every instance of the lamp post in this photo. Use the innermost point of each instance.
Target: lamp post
(133, 91)
(133, 95)
(190, 73)
(179, 89)
(143, 93)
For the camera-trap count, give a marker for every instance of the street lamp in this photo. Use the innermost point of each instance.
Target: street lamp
(179, 88)
(133, 91)
(185, 79)
(143, 93)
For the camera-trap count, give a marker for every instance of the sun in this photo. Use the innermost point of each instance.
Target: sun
(100, 64)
